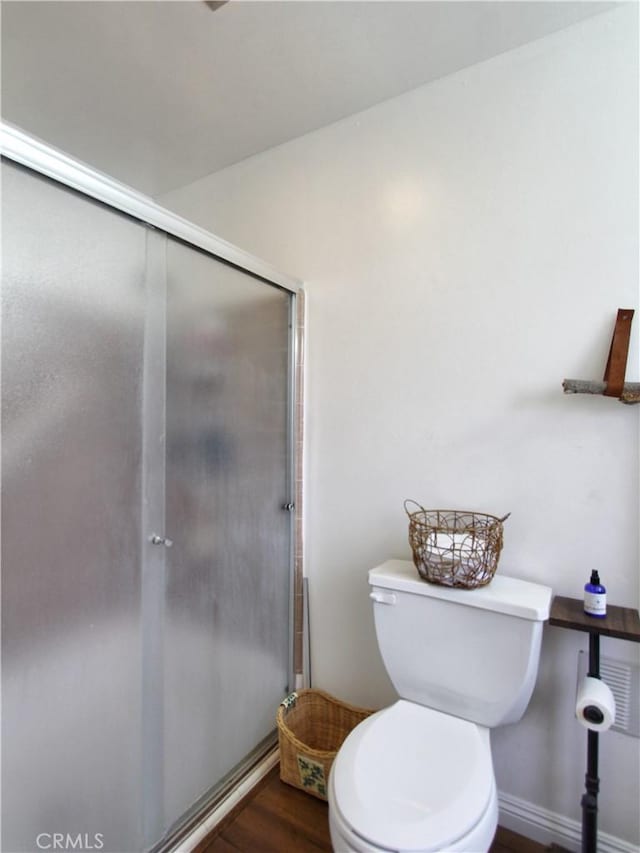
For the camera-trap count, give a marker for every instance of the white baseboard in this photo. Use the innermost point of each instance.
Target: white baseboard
(547, 827)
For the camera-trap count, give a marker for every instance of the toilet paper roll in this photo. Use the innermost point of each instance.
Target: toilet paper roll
(595, 704)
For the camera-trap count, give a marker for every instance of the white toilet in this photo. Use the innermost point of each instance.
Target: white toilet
(418, 776)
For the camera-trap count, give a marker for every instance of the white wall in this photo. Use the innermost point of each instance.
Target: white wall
(466, 247)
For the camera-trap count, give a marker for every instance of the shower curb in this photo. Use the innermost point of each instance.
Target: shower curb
(223, 809)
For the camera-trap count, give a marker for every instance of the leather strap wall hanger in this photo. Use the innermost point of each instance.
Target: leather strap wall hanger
(613, 384)
(617, 362)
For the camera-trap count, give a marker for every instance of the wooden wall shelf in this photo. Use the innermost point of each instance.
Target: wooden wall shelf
(620, 622)
(613, 384)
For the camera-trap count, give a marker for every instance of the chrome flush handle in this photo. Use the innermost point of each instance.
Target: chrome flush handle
(382, 597)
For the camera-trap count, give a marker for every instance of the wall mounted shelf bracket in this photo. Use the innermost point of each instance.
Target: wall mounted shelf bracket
(613, 384)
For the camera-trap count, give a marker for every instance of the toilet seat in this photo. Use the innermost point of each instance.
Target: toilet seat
(411, 778)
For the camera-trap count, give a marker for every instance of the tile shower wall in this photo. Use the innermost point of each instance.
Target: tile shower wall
(465, 248)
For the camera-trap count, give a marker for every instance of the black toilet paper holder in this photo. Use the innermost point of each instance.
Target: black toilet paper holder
(623, 623)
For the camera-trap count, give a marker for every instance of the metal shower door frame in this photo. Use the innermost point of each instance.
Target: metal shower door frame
(18, 146)
(41, 158)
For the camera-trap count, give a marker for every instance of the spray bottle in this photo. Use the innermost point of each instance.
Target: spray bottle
(595, 597)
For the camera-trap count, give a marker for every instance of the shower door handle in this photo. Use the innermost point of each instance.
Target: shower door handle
(160, 540)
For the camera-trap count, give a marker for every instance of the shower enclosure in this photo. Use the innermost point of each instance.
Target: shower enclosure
(147, 472)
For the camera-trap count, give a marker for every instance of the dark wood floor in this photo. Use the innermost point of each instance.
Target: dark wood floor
(277, 818)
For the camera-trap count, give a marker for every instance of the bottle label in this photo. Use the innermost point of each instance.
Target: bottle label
(595, 603)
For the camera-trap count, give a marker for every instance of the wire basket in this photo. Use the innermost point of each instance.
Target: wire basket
(455, 547)
(312, 725)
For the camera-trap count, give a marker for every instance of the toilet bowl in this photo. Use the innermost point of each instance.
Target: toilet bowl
(418, 776)
(413, 779)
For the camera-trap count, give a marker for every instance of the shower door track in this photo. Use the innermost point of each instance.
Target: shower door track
(28, 151)
(199, 814)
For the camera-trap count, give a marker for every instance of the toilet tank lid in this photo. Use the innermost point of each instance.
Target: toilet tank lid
(507, 595)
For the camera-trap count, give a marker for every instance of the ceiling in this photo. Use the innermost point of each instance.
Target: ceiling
(159, 94)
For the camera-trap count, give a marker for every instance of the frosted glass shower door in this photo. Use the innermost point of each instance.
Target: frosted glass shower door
(146, 531)
(72, 358)
(227, 635)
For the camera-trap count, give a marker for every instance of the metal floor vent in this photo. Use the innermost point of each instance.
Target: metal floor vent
(624, 681)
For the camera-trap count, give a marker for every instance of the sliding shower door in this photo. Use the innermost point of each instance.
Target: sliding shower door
(226, 643)
(72, 358)
(146, 532)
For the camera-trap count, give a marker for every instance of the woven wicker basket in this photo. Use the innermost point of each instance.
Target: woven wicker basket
(311, 728)
(454, 547)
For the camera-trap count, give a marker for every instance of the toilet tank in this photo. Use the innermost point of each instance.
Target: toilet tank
(470, 653)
